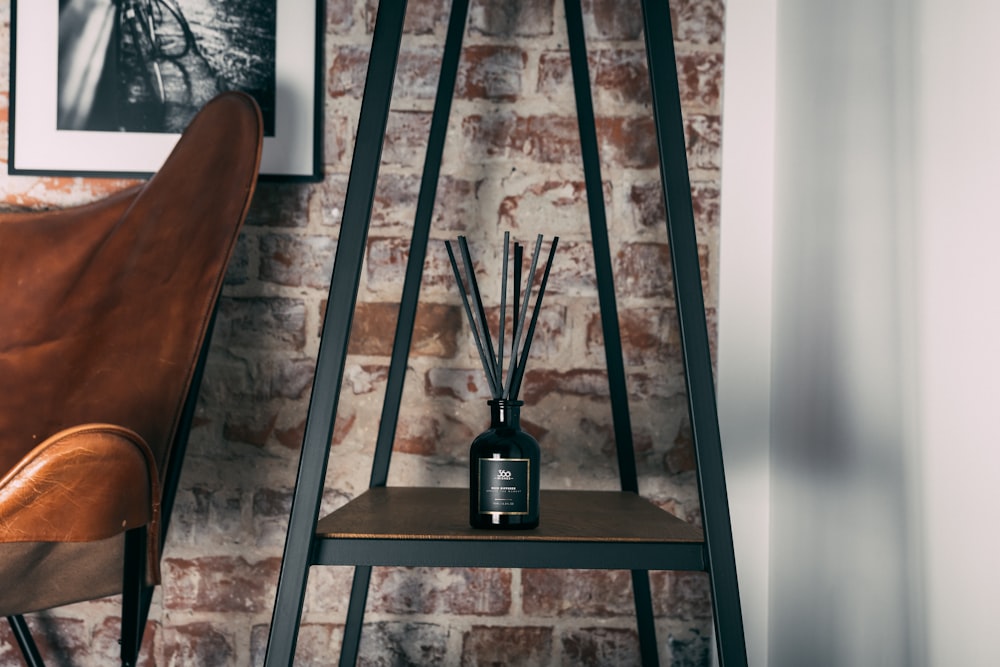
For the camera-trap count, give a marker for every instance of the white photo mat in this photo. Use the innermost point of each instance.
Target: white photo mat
(37, 146)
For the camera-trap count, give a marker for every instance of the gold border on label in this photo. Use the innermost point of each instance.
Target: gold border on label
(479, 483)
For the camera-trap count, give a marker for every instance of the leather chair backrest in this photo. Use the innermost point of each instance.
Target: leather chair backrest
(104, 308)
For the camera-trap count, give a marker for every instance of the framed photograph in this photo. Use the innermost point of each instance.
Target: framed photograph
(105, 87)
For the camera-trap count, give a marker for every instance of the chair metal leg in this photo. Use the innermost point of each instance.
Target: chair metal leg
(134, 589)
(23, 636)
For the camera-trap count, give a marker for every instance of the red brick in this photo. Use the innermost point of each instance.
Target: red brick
(465, 384)
(395, 202)
(406, 138)
(238, 271)
(198, 644)
(601, 646)
(698, 21)
(573, 270)
(386, 265)
(617, 76)
(268, 503)
(365, 378)
(427, 433)
(700, 80)
(106, 647)
(329, 200)
(338, 137)
(546, 384)
(456, 204)
(541, 384)
(287, 259)
(647, 205)
(425, 16)
(562, 204)
(342, 427)
(231, 378)
(523, 18)
(204, 514)
(488, 646)
(57, 637)
(612, 19)
(291, 437)
(253, 427)
(435, 329)
(691, 648)
(318, 644)
(551, 336)
(703, 137)
(329, 589)
(491, 72)
(680, 457)
(279, 205)
(403, 643)
(219, 584)
(260, 322)
(475, 591)
(647, 335)
(694, 21)
(546, 139)
(339, 16)
(417, 72)
(621, 76)
(271, 509)
(598, 432)
(643, 269)
(577, 593)
(665, 383)
(628, 142)
(683, 596)
(347, 71)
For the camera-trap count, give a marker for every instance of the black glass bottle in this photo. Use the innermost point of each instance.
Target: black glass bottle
(503, 472)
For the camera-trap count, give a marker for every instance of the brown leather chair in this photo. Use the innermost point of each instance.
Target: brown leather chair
(105, 312)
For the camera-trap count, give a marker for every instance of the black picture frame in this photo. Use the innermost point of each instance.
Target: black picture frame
(103, 88)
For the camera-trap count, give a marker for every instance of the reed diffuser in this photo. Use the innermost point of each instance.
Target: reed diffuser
(504, 459)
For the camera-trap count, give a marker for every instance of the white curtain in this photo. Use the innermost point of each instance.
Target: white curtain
(874, 309)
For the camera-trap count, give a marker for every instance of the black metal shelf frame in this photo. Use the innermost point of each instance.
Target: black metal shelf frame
(303, 548)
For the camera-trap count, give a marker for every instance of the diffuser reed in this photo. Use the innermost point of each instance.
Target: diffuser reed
(501, 387)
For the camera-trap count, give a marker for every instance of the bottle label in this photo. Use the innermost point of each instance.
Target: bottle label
(503, 486)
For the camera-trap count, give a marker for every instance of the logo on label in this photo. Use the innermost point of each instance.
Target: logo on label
(504, 475)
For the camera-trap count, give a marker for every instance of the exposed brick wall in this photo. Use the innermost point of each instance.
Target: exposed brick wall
(511, 163)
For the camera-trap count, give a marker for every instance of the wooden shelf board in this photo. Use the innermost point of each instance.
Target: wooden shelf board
(422, 513)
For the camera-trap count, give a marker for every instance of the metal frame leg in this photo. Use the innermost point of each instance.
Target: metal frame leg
(134, 589)
(408, 304)
(693, 332)
(609, 310)
(332, 355)
(24, 640)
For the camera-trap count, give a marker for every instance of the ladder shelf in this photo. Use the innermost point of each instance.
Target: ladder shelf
(428, 527)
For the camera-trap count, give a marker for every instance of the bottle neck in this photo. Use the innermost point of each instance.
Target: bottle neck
(505, 413)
